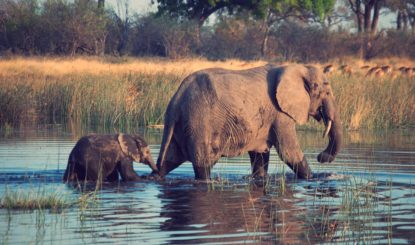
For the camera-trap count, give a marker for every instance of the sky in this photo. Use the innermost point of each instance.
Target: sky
(136, 6)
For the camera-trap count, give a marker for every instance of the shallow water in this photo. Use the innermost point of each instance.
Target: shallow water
(365, 196)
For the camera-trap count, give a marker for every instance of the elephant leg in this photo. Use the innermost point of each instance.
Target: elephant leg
(289, 149)
(127, 171)
(168, 166)
(174, 158)
(113, 176)
(201, 157)
(92, 170)
(202, 172)
(259, 163)
(79, 173)
(70, 174)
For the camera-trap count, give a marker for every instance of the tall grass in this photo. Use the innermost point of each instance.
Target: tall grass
(108, 99)
(128, 93)
(375, 103)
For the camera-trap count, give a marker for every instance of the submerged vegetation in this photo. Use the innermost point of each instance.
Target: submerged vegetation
(43, 199)
(34, 200)
(126, 93)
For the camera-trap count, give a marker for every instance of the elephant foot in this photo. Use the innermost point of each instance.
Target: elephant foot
(132, 179)
(206, 181)
(302, 169)
(154, 176)
(260, 181)
(202, 173)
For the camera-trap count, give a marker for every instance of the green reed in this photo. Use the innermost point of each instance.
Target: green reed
(133, 99)
(34, 200)
(375, 103)
(111, 100)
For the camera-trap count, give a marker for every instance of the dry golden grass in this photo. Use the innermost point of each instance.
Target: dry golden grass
(128, 92)
(100, 66)
(361, 67)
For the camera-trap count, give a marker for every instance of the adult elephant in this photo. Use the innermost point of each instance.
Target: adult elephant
(217, 112)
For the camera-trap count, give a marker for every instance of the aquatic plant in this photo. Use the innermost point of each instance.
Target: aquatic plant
(34, 199)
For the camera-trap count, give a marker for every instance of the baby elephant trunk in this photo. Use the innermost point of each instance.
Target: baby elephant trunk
(148, 160)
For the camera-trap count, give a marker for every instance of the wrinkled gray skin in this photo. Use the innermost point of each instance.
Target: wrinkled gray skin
(105, 157)
(217, 112)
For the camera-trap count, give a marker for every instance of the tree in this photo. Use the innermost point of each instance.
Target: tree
(366, 22)
(367, 18)
(268, 10)
(405, 14)
(200, 10)
(305, 10)
(101, 4)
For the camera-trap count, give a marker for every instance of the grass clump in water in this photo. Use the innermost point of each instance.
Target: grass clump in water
(34, 200)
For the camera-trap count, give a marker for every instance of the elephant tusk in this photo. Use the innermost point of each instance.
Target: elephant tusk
(327, 130)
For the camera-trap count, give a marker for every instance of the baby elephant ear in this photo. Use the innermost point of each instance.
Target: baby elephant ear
(129, 147)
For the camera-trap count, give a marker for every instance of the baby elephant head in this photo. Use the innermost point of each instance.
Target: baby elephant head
(136, 148)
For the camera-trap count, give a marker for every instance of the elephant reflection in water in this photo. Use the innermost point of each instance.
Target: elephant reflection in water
(231, 215)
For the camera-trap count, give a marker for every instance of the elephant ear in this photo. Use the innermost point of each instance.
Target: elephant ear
(292, 95)
(129, 146)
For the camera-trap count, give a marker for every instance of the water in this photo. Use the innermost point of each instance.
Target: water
(365, 196)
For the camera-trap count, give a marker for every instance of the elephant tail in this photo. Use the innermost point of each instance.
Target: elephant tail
(167, 137)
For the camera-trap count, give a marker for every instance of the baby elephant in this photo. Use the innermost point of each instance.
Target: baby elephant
(103, 157)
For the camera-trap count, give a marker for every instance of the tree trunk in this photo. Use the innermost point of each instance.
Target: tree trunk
(399, 20)
(266, 24)
(413, 26)
(359, 15)
(405, 21)
(359, 23)
(101, 4)
(375, 20)
(367, 15)
(198, 42)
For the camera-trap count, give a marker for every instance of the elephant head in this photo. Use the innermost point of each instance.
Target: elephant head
(304, 91)
(135, 147)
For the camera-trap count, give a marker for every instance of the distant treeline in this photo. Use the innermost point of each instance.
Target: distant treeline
(55, 27)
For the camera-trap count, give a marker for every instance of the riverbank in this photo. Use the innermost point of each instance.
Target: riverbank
(127, 92)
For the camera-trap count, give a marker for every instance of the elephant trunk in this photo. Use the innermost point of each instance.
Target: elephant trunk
(331, 117)
(150, 162)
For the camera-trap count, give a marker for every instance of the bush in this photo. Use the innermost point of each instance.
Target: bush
(164, 36)
(56, 27)
(52, 27)
(233, 38)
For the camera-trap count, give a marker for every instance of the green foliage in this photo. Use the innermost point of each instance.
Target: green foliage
(202, 9)
(277, 30)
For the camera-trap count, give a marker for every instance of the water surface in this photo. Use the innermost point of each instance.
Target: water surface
(365, 196)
